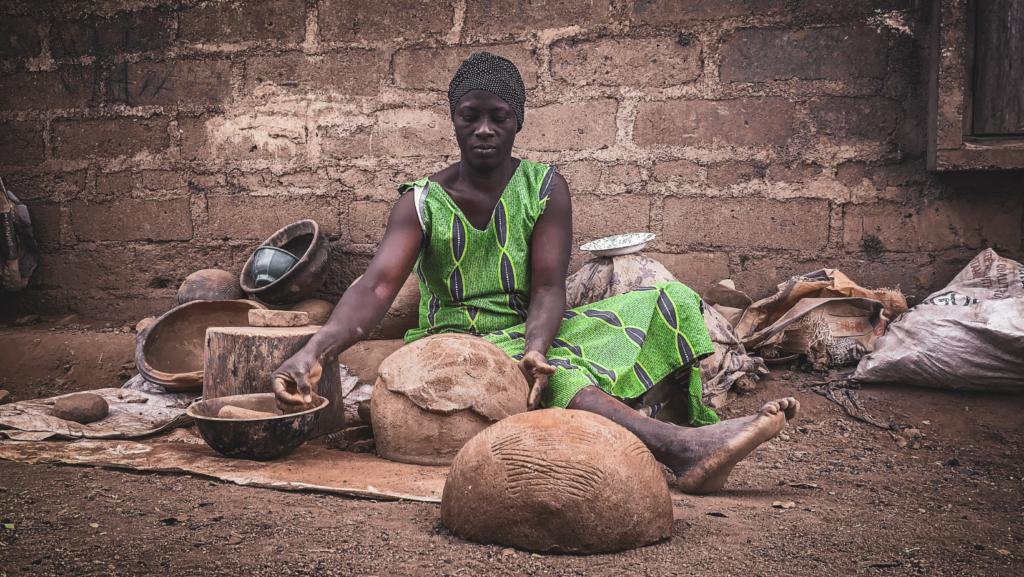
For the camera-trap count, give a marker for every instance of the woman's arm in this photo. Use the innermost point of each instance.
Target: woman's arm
(360, 309)
(550, 246)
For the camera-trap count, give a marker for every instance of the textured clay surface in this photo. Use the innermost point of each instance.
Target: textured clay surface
(557, 480)
(81, 408)
(210, 285)
(435, 394)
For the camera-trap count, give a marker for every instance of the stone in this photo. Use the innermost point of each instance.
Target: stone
(798, 224)
(570, 126)
(210, 284)
(432, 68)
(436, 393)
(740, 122)
(503, 17)
(870, 119)
(257, 217)
(723, 174)
(26, 320)
(318, 311)
(20, 37)
(557, 480)
(132, 219)
(5, 398)
(221, 22)
(360, 21)
(230, 412)
(657, 62)
(75, 139)
(684, 170)
(21, 143)
(81, 408)
(351, 72)
(201, 83)
(269, 318)
(72, 87)
(763, 54)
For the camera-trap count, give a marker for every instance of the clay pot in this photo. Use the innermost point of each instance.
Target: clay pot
(303, 240)
(403, 315)
(170, 351)
(435, 394)
(319, 311)
(557, 480)
(210, 284)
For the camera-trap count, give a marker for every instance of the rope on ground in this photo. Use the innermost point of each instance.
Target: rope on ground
(843, 392)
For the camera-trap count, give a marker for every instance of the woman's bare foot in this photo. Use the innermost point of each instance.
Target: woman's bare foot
(702, 458)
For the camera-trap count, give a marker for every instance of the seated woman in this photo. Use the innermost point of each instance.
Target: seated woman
(489, 238)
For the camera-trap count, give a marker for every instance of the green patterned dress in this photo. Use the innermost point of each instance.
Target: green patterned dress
(478, 282)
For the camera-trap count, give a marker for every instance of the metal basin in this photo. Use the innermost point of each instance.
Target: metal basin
(254, 439)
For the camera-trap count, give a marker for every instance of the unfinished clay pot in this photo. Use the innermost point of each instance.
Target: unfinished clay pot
(557, 480)
(210, 284)
(319, 311)
(303, 240)
(404, 313)
(170, 351)
(81, 408)
(435, 394)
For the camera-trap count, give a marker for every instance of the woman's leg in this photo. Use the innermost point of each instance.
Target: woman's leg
(702, 457)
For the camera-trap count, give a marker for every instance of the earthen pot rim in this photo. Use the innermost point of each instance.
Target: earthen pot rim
(301, 228)
(323, 402)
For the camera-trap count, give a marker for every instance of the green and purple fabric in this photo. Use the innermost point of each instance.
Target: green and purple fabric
(478, 282)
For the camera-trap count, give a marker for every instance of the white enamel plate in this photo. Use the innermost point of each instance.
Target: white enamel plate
(619, 244)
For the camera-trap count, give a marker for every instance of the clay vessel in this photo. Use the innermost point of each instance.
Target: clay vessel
(435, 394)
(557, 480)
(304, 241)
(403, 315)
(210, 284)
(260, 439)
(170, 351)
(319, 311)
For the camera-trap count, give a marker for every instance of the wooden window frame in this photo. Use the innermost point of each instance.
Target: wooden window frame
(951, 146)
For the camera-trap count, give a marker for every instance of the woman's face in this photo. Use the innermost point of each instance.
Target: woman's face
(485, 127)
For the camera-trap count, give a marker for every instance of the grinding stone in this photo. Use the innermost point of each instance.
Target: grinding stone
(557, 480)
(81, 408)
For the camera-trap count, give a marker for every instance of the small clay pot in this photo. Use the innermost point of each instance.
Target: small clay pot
(170, 351)
(210, 284)
(81, 408)
(303, 240)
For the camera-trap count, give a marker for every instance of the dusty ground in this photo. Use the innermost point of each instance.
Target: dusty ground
(950, 506)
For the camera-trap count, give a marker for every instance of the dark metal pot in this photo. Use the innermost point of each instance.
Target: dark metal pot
(254, 439)
(303, 240)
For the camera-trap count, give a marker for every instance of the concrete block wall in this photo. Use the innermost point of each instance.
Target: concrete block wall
(757, 138)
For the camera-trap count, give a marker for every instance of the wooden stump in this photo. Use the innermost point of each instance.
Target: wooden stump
(240, 360)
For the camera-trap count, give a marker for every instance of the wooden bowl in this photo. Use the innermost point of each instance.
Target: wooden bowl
(254, 439)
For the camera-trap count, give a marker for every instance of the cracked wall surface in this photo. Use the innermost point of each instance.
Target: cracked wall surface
(758, 139)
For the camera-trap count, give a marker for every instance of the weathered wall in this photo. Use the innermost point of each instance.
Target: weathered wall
(758, 138)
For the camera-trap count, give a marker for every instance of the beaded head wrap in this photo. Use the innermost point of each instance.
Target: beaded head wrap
(497, 75)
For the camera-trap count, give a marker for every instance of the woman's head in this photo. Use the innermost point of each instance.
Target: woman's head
(487, 99)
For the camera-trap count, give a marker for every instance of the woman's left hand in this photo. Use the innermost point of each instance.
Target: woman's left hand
(536, 369)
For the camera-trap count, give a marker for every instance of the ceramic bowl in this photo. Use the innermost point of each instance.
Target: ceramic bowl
(619, 244)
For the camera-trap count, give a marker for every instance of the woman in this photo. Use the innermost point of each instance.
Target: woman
(490, 238)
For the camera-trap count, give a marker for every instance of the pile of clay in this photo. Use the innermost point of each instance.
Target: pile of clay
(435, 394)
(557, 480)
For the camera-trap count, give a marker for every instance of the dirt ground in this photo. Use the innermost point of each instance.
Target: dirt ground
(948, 502)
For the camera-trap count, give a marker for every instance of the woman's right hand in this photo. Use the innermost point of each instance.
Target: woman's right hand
(294, 382)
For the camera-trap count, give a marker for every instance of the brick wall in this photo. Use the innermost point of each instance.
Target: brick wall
(758, 138)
